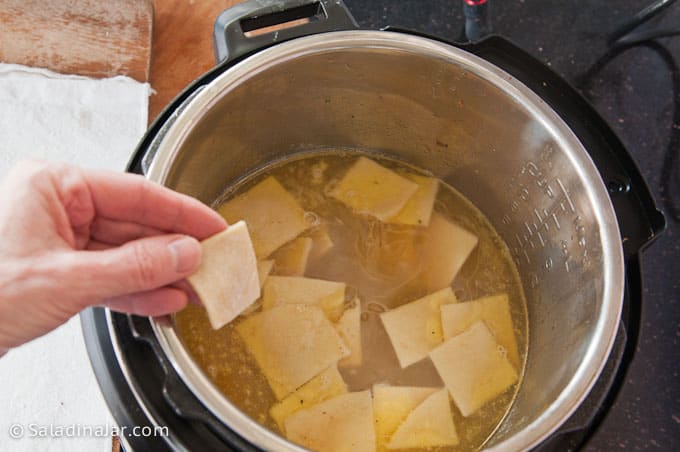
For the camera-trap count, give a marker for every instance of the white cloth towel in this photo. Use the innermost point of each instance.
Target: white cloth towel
(47, 386)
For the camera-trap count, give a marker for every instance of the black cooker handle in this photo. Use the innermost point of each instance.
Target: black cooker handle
(639, 220)
(178, 396)
(235, 33)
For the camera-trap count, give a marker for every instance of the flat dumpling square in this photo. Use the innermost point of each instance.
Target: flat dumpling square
(445, 250)
(328, 295)
(415, 328)
(291, 344)
(473, 369)
(273, 215)
(430, 424)
(418, 208)
(341, 424)
(494, 311)
(324, 386)
(391, 407)
(370, 188)
(227, 281)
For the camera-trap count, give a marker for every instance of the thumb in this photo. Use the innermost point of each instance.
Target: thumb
(140, 265)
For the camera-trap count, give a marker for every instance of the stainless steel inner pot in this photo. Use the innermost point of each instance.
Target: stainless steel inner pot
(467, 122)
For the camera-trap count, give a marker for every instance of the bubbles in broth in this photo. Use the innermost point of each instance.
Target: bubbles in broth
(382, 265)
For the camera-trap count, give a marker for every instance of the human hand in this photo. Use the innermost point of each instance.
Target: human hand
(72, 238)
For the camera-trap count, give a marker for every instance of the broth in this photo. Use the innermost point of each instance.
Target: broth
(379, 264)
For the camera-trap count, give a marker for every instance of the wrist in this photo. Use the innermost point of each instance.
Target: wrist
(31, 303)
(13, 279)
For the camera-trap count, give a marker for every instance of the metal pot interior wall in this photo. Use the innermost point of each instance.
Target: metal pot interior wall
(474, 128)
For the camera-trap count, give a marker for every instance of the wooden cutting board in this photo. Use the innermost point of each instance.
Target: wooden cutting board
(168, 48)
(182, 46)
(114, 37)
(86, 37)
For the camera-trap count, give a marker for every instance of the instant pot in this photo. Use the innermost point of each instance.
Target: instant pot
(485, 117)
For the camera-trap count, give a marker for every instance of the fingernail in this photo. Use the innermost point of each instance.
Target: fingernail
(186, 254)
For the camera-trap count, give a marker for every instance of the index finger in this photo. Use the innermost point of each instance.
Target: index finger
(132, 198)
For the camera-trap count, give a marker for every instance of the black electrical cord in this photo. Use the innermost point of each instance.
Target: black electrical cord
(622, 40)
(638, 19)
(643, 36)
(625, 38)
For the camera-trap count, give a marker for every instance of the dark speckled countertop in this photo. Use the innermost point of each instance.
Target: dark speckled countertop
(634, 94)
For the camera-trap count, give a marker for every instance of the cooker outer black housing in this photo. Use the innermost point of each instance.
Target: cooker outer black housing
(166, 398)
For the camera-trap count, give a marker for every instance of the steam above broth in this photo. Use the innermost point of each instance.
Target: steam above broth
(378, 281)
